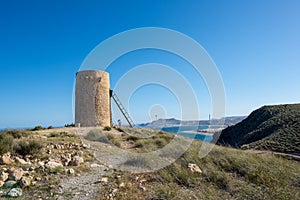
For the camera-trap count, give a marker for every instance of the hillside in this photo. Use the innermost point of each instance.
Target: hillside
(275, 128)
(71, 164)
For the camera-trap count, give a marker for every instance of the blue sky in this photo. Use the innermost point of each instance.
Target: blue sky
(254, 43)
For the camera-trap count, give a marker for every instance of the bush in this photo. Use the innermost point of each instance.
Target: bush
(57, 170)
(98, 136)
(17, 133)
(50, 127)
(160, 142)
(110, 137)
(54, 134)
(5, 143)
(37, 128)
(28, 147)
(92, 135)
(119, 129)
(132, 137)
(61, 134)
(107, 128)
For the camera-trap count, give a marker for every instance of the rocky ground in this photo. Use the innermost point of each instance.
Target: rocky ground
(65, 168)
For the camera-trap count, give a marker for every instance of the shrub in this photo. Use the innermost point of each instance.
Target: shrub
(28, 147)
(107, 128)
(37, 128)
(95, 135)
(17, 133)
(57, 170)
(160, 142)
(92, 135)
(61, 134)
(119, 129)
(5, 143)
(164, 192)
(50, 127)
(110, 137)
(54, 134)
(132, 138)
(117, 143)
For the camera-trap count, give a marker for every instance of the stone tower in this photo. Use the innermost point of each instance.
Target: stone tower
(92, 99)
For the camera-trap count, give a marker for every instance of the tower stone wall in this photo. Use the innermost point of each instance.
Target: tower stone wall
(92, 99)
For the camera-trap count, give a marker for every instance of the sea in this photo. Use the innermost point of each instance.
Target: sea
(191, 131)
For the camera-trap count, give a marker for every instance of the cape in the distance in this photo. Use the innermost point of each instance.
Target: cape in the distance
(171, 122)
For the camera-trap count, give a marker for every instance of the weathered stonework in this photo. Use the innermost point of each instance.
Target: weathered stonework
(92, 99)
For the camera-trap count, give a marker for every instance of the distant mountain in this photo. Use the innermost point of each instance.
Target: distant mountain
(275, 128)
(161, 123)
(227, 121)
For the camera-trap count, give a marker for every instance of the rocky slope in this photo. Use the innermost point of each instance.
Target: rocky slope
(275, 128)
(48, 164)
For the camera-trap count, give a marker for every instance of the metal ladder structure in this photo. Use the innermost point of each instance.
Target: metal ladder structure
(122, 109)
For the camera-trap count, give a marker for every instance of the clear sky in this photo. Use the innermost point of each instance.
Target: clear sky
(254, 43)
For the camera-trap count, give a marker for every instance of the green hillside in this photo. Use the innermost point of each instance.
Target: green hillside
(275, 128)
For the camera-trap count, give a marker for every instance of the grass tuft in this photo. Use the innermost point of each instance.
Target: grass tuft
(6, 141)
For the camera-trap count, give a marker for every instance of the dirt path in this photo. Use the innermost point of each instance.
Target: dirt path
(85, 186)
(286, 155)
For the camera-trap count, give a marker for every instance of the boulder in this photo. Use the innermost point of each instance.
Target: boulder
(77, 160)
(21, 161)
(6, 159)
(86, 146)
(66, 159)
(3, 176)
(14, 192)
(1, 183)
(15, 174)
(121, 185)
(41, 163)
(79, 153)
(10, 183)
(53, 164)
(194, 168)
(104, 180)
(94, 165)
(25, 181)
(71, 171)
(142, 188)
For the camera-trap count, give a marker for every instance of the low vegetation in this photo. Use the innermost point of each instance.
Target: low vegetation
(6, 141)
(138, 140)
(27, 147)
(226, 174)
(38, 128)
(275, 128)
(107, 128)
(10, 141)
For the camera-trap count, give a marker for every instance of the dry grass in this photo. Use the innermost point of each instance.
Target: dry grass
(227, 174)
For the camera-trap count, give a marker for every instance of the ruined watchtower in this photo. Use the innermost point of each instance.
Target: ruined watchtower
(92, 98)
